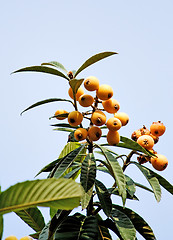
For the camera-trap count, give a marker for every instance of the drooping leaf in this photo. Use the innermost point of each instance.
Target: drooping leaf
(56, 193)
(63, 129)
(86, 196)
(56, 64)
(117, 172)
(66, 162)
(88, 172)
(130, 185)
(124, 224)
(46, 101)
(42, 69)
(163, 182)
(153, 181)
(32, 217)
(93, 60)
(139, 223)
(78, 228)
(114, 191)
(104, 197)
(57, 219)
(143, 187)
(110, 224)
(65, 125)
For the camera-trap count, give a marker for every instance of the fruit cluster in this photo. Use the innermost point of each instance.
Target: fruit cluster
(15, 238)
(97, 117)
(147, 138)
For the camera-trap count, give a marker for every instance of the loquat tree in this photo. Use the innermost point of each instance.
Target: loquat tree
(73, 178)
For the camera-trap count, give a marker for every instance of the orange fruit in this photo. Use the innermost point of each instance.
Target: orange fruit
(75, 118)
(80, 134)
(146, 142)
(160, 162)
(157, 129)
(113, 124)
(123, 117)
(80, 92)
(113, 137)
(104, 92)
(60, 111)
(26, 238)
(98, 118)
(94, 133)
(111, 105)
(91, 83)
(86, 100)
(11, 238)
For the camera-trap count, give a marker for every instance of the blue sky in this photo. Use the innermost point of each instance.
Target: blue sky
(141, 75)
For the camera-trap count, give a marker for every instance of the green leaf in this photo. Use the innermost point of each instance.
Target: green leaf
(104, 197)
(163, 182)
(74, 173)
(64, 115)
(46, 101)
(103, 231)
(143, 187)
(66, 162)
(63, 129)
(116, 172)
(44, 233)
(1, 226)
(139, 223)
(130, 144)
(75, 84)
(124, 225)
(57, 65)
(42, 69)
(78, 228)
(57, 219)
(56, 193)
(65, 125)
(86, 196)
(32, 217)
(130, 185)
(88, 172)
(153, 181)
(93, 60)
(69, 147)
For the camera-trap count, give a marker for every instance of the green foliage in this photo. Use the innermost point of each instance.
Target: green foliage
(80, 162)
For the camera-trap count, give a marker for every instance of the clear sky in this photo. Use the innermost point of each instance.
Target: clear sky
(141, 75)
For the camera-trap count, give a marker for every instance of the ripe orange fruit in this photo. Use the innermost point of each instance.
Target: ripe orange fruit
(146, 141)
(86, 100)
(111, 105)
(80, 92)
(104, 92)
(136, 134)
(80, 134)
(98, 118)
(60, 111)
(75, 118)
(91, 83)
(123, 117)
(155, 138)
(157, 128)
(94, 133)
(160, 162)
(113, 124)
(26, 238)
(11, 238)
(113, 137)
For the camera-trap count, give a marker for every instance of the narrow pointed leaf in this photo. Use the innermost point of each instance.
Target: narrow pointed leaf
(139, 223)
(69, 147)
(63, 129)
(143, 187)
(153, 181)
(131, 188)
(93, 60)
(88, 172)
(163, 182)
(46, 101)
(116, 171)
(65, 125)
(60, 169)
(104, 197)
(124, 225)
(56, 64)
(75, 84)
(78, 228)
(32, 217)
(86, 196)
(73, 174)
(64, 115)
(42, 69)
(56, 193)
